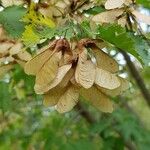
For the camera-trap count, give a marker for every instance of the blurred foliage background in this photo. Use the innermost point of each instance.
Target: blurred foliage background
(25, 124)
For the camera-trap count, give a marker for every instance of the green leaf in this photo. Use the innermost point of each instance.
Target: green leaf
(86, 30)
(145, 3)
(19, 75)
(82, 144)
(33, 34)
(95, 10)
(143, 49)
(29, 37)
(128, 42)
(10, 18)
(34, 17)
(113, 143)
(45, 32)
(85, 25)
(67, 30)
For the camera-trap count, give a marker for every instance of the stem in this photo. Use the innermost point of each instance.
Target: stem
(134, 72)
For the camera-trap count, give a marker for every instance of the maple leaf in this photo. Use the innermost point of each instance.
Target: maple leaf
(10, 18)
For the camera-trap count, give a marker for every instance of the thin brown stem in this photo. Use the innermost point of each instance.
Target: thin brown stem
(135, 73)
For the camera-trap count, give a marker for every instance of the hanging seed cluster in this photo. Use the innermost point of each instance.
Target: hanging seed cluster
(63, 74)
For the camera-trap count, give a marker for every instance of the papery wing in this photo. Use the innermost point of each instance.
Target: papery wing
(104, 61)
(106, 79)
(33, 66)
(68, 100)
(47, 73)
(97, 99)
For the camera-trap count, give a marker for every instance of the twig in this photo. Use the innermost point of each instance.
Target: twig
(133, 70)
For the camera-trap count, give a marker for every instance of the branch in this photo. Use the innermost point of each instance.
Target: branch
(85, 114)
(134, 72)
(125, 104)
(91, 120)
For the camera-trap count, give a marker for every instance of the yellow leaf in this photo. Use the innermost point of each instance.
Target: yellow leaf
(29, 37)
(106, 79)
(97, 99)
(45, 21)
(68, 100)
(47, 73)
(104, 61)
(35, 17)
